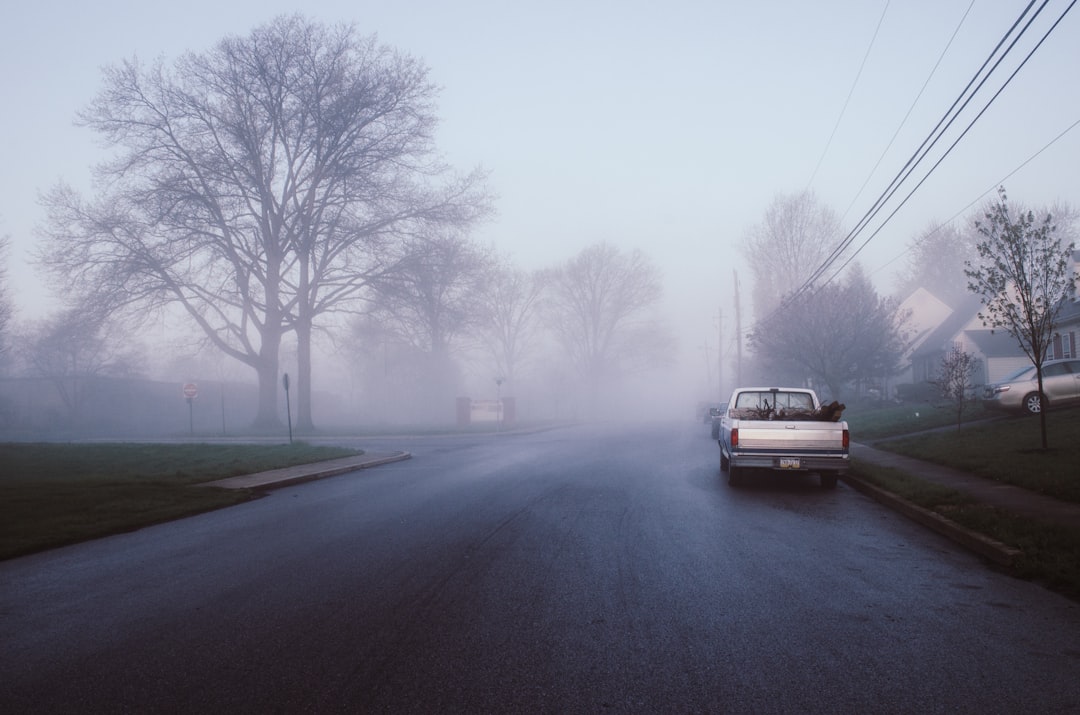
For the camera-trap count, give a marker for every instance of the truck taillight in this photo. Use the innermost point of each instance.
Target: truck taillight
(735, 438)
(847, 439)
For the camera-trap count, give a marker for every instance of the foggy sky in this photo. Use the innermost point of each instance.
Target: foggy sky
(666, 128)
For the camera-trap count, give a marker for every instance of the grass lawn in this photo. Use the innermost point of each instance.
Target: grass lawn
(869, 424)
(1008, 450)
(55, 494)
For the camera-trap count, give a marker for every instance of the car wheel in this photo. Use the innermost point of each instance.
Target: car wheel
(1033, 403)
(828, 480)
(735, 476)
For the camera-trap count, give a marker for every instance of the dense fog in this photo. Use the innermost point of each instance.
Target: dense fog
(541, 215)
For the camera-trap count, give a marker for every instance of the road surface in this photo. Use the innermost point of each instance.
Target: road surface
(588, 569)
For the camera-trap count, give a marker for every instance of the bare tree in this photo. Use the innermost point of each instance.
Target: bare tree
(795, 237)
(431, 302)
(838, 334)
(957, 369)
(435, 294)
(258, 186)
(73, 346)
(936, 260)
(511, 319)
(1024, 279)
(601, 309)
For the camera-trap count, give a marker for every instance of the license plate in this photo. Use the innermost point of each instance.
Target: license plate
(789, 463)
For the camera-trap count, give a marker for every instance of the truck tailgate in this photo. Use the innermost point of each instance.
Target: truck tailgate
(791, 436)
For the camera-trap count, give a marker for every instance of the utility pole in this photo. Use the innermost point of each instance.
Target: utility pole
(738, 332)
(720, 353)
(708, 366)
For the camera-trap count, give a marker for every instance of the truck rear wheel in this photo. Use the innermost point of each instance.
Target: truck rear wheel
(724, 462)
(735, 476)
(828, 480)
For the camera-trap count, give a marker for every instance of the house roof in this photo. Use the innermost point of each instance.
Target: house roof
(925, 312)
(948, 329)
(1070, 313)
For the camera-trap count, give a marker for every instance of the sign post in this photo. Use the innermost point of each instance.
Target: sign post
(191, 391)
(288, 409)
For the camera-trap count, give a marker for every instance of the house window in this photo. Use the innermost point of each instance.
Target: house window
(1064, 346)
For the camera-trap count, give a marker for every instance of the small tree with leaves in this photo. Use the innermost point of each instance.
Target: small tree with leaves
(955, 376)
(1024, 279)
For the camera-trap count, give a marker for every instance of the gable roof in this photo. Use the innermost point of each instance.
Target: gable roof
(948, 329)
(1070, 313)
(925, 313)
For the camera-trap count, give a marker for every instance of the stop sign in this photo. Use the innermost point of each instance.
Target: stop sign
(191, 390)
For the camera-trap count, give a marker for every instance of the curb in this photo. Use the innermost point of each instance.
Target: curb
(264, 481)
(982, 545)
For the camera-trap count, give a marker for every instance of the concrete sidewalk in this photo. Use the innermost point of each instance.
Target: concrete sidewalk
(1014, 499)
(307, 472)
(1004, 496)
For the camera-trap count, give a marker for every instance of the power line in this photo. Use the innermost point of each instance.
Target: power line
(931, 140)
(911, 108)
(957, 141)
(851, 91)
(974, 201)
(928, 143)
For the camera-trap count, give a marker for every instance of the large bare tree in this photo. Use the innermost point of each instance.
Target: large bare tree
(601, 307)
(1024, 279)
(511, 319)
(795, 237)
(259, 186)
(429, 305)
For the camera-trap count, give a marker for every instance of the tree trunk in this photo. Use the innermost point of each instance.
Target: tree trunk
(304, 422)
(267, 369)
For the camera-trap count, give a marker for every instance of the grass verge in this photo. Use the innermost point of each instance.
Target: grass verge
(1050, 553)
(56, 494)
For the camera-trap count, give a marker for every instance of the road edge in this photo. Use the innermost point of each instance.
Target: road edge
(984, 546)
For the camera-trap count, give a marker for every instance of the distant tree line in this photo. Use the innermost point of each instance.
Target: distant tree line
(287, 184)
(843, 335)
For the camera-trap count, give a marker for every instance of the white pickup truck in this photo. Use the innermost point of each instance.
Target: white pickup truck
(784, 429)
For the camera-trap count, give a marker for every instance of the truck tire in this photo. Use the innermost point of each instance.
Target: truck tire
(828, 480)
(735, 476)
(724, 462)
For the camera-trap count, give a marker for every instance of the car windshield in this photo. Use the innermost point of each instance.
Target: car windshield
(775, 400)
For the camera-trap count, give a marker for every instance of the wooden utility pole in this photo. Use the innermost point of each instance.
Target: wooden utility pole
(738, 332)
(720, 353)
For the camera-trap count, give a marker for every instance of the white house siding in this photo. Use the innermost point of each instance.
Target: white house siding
(999, 368)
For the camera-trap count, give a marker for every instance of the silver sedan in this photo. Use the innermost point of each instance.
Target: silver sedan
(1020, 390)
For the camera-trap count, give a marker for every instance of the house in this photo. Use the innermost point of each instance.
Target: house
(999, 353)
(937, 327)
(925, 312)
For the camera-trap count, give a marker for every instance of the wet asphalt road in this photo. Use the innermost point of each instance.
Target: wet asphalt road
(592, 569)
